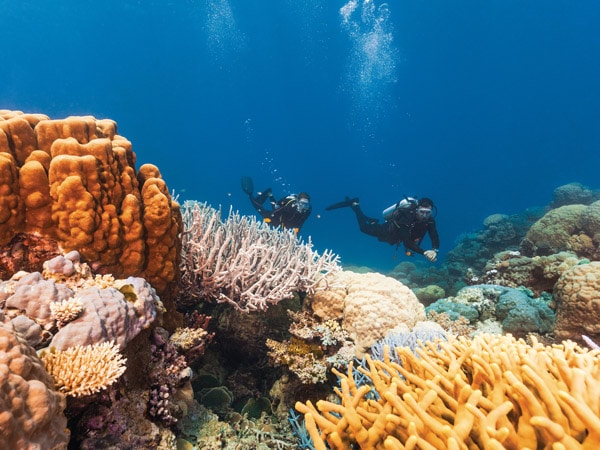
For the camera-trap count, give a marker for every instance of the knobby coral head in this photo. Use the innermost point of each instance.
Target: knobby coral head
(74, 182)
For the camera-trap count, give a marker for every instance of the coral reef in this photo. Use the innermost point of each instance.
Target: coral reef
(457, 326)
(512, 269)
(577, 295)
(401, 336)
(521, 314)
(168, 372)
(73, 182)
(313, 349)
(244, 262)
(499, 233)
(429, 294)
(420, 274)
(109, 310)
(31, 410)
(518, 312)
(489, 392)
(552, 232)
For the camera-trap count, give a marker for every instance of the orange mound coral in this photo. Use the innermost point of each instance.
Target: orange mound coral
(73, 181)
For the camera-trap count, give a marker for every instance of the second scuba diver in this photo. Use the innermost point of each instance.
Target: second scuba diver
(405, 222)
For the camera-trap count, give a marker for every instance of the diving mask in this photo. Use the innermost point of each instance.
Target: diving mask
(303, 205)
(424, 213)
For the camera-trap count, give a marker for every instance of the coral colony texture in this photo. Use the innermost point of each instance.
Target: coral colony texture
(128, 322)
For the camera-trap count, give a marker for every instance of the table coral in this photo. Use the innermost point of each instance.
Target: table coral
(74, 181)
(492, 392)
(31, 411)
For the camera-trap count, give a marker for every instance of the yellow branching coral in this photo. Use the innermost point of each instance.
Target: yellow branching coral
(84, 370)
(492, 392)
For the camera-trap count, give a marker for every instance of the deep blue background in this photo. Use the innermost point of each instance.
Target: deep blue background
(485, 106)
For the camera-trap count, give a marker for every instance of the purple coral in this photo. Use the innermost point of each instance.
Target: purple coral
(169, 371)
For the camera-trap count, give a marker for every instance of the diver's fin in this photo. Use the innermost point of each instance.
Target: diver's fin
(262, 196)
(346, 203)
(247, 185)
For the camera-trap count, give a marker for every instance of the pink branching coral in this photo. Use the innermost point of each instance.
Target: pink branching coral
(244, 262)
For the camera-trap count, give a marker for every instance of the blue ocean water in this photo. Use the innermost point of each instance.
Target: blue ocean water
(484, 106)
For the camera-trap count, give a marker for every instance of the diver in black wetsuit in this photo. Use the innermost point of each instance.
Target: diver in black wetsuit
(290, 212)
(406, 222)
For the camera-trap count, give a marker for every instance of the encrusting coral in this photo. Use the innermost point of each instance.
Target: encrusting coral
(492, 392)
(84, 370)
(73, 182)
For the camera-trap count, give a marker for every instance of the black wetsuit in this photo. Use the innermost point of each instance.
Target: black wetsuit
(402, 228)
(284, 213)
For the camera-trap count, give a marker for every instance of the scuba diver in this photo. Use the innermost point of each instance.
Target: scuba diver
(290, 212)
(405, 222)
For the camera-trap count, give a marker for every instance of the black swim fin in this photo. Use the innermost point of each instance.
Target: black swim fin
(247, 185)
(262, 196)
(346, 203)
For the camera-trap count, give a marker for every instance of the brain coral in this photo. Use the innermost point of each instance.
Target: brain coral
(74, 182)
(370, 304)
(577, 295)
(31, 411)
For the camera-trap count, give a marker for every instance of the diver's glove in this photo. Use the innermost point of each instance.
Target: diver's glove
(431, 255)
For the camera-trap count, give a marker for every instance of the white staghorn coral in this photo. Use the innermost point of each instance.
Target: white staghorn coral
(245, 262)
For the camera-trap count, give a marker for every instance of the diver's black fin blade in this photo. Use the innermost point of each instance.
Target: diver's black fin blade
(346, 203)
(247, 185)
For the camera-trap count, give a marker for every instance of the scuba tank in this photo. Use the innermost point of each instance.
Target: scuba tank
(405, 203)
